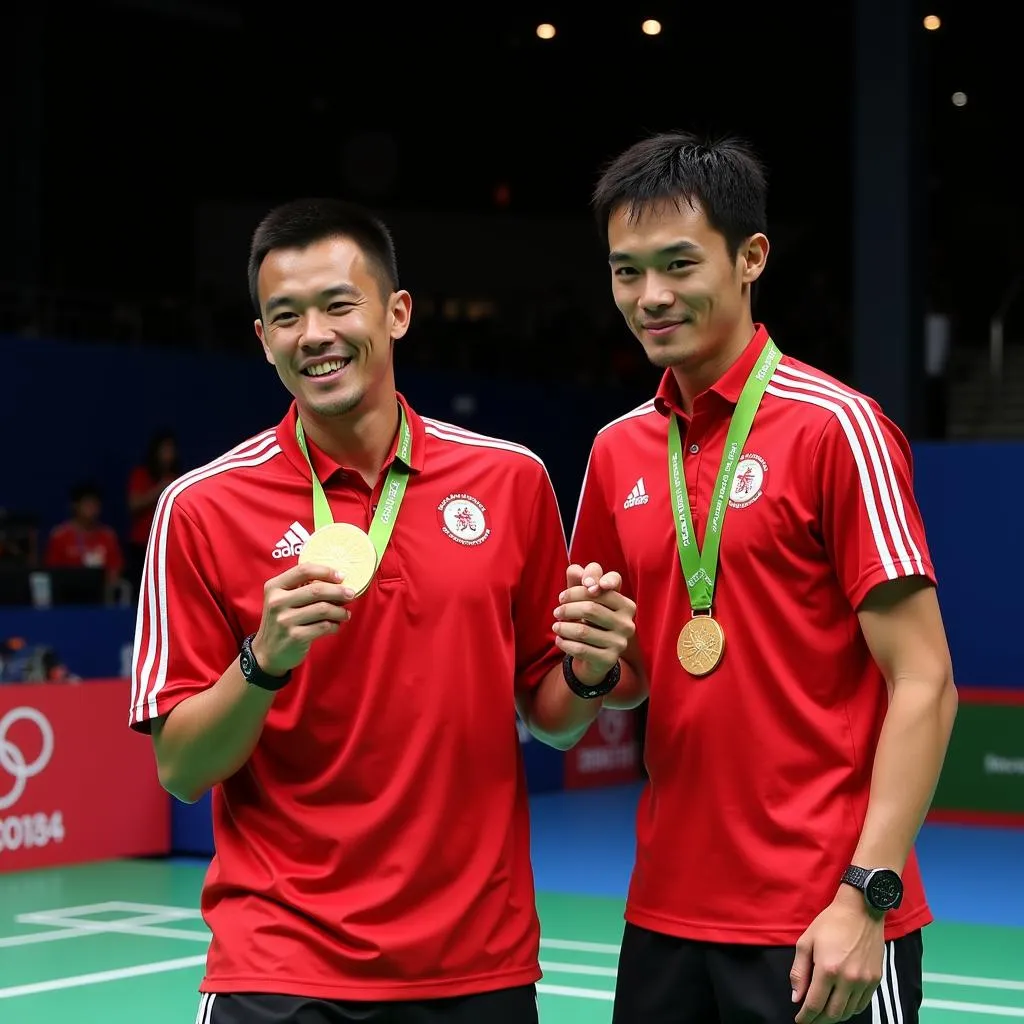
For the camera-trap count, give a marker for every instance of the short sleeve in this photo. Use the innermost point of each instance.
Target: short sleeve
(871, 524)
(183, 640)
(543, 578)
(594, 537)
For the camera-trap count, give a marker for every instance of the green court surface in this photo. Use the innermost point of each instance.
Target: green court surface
(123, 943)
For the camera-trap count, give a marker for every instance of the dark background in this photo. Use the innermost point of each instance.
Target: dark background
(138, 129)
(144, 140)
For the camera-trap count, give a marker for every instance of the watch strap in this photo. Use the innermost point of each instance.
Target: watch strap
(589, 692)
(254, 675)
(855, 876)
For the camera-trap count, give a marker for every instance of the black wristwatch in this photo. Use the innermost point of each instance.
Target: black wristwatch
(606, 685)
(882, 888)
(254, 675)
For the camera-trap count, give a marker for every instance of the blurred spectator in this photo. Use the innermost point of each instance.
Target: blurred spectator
(146, 483)
(84, 540)
(20, 663)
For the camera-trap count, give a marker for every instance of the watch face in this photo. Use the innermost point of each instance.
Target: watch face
(246, 662)
(884, 890)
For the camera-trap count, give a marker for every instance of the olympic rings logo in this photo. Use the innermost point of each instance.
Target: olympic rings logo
(12, 758)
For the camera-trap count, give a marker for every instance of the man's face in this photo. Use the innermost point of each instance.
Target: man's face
(326, 327)
(87, 509)
(675, 284)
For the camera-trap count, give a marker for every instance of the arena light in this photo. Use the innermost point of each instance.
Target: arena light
(932, 22)
(959, 99)
(651, 27)
(546, 31)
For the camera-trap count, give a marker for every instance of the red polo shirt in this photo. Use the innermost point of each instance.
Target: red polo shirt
(71, 546)
(760, 771)
(376, 844)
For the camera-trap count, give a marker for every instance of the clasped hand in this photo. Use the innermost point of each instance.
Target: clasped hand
(593, 621)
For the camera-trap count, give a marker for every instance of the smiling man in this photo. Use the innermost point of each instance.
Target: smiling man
(338, 621)
(800, 689)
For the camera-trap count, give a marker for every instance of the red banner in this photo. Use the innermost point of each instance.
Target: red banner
(608, 753)
(75, 783)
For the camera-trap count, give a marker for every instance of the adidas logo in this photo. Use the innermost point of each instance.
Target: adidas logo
(291, 543)
(637, 496)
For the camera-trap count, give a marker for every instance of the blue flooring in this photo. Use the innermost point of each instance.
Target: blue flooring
(974, 875)
(583, 840)
(583, 843)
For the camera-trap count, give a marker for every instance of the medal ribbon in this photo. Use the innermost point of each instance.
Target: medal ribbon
(391, 496)
(701, 567)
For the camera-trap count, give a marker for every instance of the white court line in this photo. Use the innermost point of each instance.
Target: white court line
(966, 982)
(594, 972)
(136, 921)
(142, 919)
(930, 1004)
(84, 928)
(954, 1007)
(60, 914)
(148, 919)
(117, 928)
(99, 977)
(580, 947)
(962, 980)
(33, 937)
(572, 993)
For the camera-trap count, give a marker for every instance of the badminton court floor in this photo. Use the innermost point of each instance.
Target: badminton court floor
(99, 942)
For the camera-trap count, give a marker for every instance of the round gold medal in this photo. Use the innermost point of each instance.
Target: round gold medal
(346, 549)
(700, 644)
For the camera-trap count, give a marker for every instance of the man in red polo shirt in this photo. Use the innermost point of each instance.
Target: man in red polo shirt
(338, 620)
(800, 688)
(84, 541)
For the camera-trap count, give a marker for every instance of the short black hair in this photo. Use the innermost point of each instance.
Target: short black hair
(83, 489)
(304, 222)
(724, 175)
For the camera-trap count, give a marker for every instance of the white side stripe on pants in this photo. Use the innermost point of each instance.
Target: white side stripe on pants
(887, 994)
(205, 1014)
(895, 978)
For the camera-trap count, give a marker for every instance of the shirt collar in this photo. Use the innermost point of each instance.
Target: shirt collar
(325, 467)
(728, 387)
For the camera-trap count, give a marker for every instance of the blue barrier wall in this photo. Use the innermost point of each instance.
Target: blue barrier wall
(94, 643)
(971, 497)
(71, 409)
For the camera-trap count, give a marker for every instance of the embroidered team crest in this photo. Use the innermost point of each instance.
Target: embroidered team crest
(748, 484)
(463, 519)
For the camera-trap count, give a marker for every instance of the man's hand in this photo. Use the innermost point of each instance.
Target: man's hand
(594, 622)
(302, 604)
(839, 961)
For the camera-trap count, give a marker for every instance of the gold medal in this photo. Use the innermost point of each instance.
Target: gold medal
(700, 644)
(346, 549)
